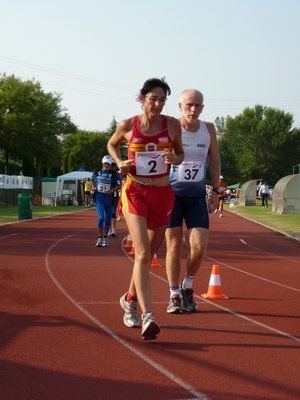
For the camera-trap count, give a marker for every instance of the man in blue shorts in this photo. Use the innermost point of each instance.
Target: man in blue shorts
(188, 180)
(105, 182)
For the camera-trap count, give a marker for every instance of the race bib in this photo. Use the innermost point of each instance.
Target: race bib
(150, 163)
(190, 172)
(102, 187)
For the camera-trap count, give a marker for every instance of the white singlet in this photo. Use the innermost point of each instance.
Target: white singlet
(189, 178)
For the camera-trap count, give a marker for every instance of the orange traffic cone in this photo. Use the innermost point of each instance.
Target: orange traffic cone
(132, 250)
(154, 262)
(214, 288)
(128, 241)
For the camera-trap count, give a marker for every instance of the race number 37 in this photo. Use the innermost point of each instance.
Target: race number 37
(190, 172)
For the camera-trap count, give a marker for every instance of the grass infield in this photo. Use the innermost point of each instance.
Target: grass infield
(286, 223)
(9, 215)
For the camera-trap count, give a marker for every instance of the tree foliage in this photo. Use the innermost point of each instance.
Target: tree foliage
(220, 125)
(84, 149)
(31, 124)
(36, 131)
(112, 128)
(260, 144)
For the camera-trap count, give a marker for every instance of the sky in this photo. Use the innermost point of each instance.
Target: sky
(98, 53)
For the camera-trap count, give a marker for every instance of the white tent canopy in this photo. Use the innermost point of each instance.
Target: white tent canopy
(74, 176)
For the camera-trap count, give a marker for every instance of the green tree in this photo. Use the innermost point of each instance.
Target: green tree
(31, 124)
(110, 131)
(228, 161)
(65, 160)
(220, 124)
(86, 149)
(72, 162)
(263, 143)
(112, 128)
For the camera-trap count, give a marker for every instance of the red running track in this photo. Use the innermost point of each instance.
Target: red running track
(62, 334)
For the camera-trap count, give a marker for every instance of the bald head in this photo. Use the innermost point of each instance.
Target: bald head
(191, 93)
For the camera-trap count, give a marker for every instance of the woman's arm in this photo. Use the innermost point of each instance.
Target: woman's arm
(123, 132)
(177, 155)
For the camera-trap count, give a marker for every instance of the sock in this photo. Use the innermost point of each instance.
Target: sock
(129, 297)
(145, 314)
(174, 291)
(188, 282)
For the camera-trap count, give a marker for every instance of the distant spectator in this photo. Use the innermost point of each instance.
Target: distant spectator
(228, 191)
(222, 191)
(87, 187)
(264, 193)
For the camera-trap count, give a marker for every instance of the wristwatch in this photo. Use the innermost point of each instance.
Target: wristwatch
(215, 189)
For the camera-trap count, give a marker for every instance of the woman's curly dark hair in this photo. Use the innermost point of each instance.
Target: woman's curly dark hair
(152, 83)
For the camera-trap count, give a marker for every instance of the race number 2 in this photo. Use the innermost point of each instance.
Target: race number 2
(150, 163)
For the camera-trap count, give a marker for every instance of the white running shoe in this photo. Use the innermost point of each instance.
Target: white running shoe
(174, 306)
(150, 329)
(221, 215)
(105, 242)
(99, 242)
(131, 319)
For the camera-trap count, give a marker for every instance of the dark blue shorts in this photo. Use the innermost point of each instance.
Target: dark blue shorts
(192, 210)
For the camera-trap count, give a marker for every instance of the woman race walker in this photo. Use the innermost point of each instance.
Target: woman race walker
(154, 143)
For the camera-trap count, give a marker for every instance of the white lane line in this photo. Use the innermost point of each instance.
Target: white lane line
(261, 250)
(240, 315)
(255, 276)
(265, 226)
(230, 311)
(198, 395)
(249, 273)
(267, 252)
(251, 320)
(13, 234)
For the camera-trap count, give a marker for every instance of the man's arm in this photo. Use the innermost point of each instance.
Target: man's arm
(213, 154)
(114, 189)
(214, 164)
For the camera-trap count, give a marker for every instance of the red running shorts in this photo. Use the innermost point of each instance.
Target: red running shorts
(152, 202)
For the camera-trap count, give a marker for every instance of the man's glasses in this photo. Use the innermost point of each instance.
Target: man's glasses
(154, 99)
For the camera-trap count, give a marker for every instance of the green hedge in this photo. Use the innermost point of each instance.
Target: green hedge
(14, 168)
